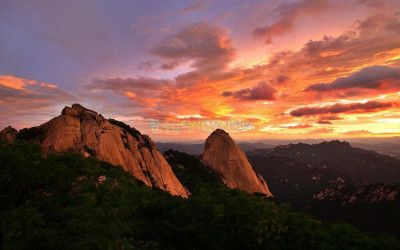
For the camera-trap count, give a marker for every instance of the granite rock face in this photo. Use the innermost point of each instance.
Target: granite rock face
(229, 163)
(8, 134)
(83, 130)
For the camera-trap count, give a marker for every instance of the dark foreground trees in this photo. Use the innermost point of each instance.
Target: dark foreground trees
(71, 202)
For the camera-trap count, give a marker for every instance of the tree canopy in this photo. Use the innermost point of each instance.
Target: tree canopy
(67, 201)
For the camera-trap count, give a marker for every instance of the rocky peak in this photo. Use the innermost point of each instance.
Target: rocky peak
(229, 163)
(85, 131)
(8, 134)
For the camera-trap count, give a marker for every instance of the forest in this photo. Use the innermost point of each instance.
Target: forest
(67, 201)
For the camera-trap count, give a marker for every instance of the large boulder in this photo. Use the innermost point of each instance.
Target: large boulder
(229, 163)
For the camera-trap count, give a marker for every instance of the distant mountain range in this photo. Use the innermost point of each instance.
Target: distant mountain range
(333, 180)
(291, 180)
(386, 146)
(198, 148)
(364, 166)
(392, 149)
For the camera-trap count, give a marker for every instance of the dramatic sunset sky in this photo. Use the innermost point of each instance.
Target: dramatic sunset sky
(297, 69)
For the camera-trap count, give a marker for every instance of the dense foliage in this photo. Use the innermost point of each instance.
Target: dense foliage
(30, 134)
(71, 202)
(368, 210)
(134, 132)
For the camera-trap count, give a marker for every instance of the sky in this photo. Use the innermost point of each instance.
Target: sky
(176, 70)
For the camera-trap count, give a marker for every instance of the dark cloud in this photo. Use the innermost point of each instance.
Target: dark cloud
(193, 7)
(278, 58)
(227, 93)
(329, 46)
(154, 65)
(289, 13)
(342, 108)
(262, 91)
(379, 23)
(146, 66)
(350, 93)
(207, 45)
(373, 77)
(281, 79)
(34, 93)
(324, 122)
(373, 3)
(170, 65)
(156, 114)
(122, 85)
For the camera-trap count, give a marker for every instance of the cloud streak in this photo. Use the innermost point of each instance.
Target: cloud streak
(320, 131)
(339, 108)
(193, 7)
(357, 132)
(373, 77)
(262, 91)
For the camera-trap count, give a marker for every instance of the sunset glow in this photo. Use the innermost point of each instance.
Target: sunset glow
(297, 69)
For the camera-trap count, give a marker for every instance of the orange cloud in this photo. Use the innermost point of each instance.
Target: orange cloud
(130, 95)
(20, 83)
(320, 131)
(49, 86)
(331, 53)
(357, 132)
(24, 102)
(13, 82)
(300, 126)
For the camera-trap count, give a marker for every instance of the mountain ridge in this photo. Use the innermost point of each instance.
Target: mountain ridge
(365, 165)
(85, 131)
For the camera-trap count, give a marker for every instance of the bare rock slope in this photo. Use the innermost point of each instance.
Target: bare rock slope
(229, 163)
(83, 130)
